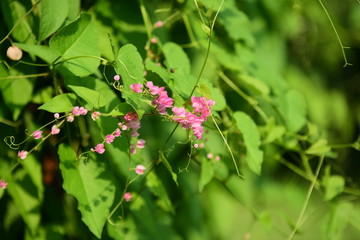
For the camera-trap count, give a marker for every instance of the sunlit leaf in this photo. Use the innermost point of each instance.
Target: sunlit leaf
(207, 173)
(91, 183)
(60, 103)
(318, 148)
(334, 185)
(92, 97)
(52, 14)
(73, 41)
(168, 167)
(254, 156)
(157, 187)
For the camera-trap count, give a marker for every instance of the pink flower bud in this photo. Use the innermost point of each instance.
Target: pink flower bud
(117, 77)
(3, 184)
(56, 115)
(141, 143)
(210, 155)
(158, 24)
(127, 196)
(153, 40)
(139, 169)
(22, 154)
(70, 118)
(100, 148)
(14, 53)
(109, 138)
(37, 134)
(196, 145)
(95, 115)
(55, 130)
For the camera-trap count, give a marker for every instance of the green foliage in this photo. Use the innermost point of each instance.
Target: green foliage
(278, 157)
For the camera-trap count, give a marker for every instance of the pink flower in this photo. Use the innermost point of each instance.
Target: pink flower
(210, 155)
(139, 169)
(196, 145)
(201, 145)
(158, 24)
(141, 143)
(100, 148)
(136, 87)
(95, 115)
(154, 90)
(109, 138)
(133, 149)
(127, 196)
(56, 115)
(79, 111)
(22, 154)
(130, 116)
(117, 77)
(55, 130)
(70, 118)
(3, 184)
(153, 40)
(217, 158)
(135, 133)
(117, 133)
(37, 134)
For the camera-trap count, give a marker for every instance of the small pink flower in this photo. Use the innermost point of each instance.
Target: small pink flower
(133, 149)
(135, 134)
(37, 134)
(100, 148)
(79, 111)
(139, 169)
(158, 24)
(22, 154)
(109, 138)
(55, 130)
(56, 115)
(141, 143)
(196, 145)
(117, 133)
(95, 115)
(117, 77)
(136, 87)
(127, 196)
(201, 145)
(3, 184)
(217, 158)
(153, 40)
(70, 118)
(210, 155)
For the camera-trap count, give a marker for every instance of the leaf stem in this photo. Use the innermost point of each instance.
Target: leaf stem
(336, 33)
(20, 20)
(308, 195)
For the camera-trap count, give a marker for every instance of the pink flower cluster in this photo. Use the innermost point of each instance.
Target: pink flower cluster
(188, 120)
(131, 123)
(193, 120)
(162, 100)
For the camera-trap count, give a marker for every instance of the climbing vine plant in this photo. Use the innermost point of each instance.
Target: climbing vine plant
(173, 120)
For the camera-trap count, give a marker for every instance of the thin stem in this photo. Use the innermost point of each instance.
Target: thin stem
(19, 21)
(26, 76)
(146, 19)
(308, 195)
(85, 56)
(336, 33)
(228, 147)
(247, 98)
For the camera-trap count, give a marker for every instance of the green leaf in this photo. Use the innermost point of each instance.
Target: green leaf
(60, 103)
(129, 65)
(16, 93)
(168, 167)
(163, 74)
(207, 173)
(34, 170)
(78, 43)
(52, 14)
(254, 156)
(293, 107)
(156, 186)
(91, 183)
(25, 195)
(92, 97)
(44, 52)
(177, 59)
(121, 109)
(334, 185)
(318, 148)
(14, 11)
